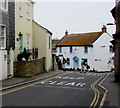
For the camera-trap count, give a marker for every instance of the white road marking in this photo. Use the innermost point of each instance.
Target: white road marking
(71, 78)
(64, 83)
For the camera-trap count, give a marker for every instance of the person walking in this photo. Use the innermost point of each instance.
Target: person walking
(82, 65)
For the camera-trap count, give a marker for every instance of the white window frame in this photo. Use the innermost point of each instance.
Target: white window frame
(28, 11)
(2, 3)
(20, 9)
(28, 41)
(2, 37)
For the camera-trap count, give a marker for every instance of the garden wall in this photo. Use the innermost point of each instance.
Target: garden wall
(28, 68)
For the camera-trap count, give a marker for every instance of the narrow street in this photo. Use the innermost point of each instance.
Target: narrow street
(67, 89)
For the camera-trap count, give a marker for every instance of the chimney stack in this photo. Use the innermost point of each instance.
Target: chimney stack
(66, 33)
(104, 29)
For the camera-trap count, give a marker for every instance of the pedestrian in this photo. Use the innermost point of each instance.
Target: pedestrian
(111, 64)
(87, 67)
(82, 65)
(63, 63)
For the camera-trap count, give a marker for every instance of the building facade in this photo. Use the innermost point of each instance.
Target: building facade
(7, 37)
(42, 40)
(23, 26)
(94, 48)
(116, 14)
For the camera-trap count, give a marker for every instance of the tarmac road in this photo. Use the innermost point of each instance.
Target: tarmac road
(68, 89)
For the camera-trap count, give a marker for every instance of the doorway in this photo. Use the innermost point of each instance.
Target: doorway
(75, 63)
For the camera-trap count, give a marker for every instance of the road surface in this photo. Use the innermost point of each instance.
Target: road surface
(67, 89)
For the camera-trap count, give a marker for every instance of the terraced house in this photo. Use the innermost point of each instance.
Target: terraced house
(31, 35)
(23, 26)
(19, 31)
(94, 48)
(7, 38)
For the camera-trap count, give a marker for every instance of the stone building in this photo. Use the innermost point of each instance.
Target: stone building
(116, 14)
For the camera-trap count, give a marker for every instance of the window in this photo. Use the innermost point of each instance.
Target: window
(27, 11)
(49, 42)
(111, 49)
(3, 4)
(60, 49)
(68, 61)
(28, 41)
(71, 49)
(85, 50)
(20, 8)
(2, 37)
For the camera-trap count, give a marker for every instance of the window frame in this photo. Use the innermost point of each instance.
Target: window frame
(28, 41)
(86, 50)
(68, 61)
(49, 42)
(5, 2)
(71, 49)
(3, 37)
(20, 9)
(28, 11)
(60, 49)
(110, 49)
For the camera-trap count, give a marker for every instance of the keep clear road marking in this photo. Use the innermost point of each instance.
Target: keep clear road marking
(26, 86)
(63, 83)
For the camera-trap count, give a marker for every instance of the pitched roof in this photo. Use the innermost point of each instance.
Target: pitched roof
(79, 39)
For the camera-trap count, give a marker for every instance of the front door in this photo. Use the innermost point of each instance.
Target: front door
(21, 43)
(75, 63)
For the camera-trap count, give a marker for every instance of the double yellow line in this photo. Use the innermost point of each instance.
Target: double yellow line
(97, 94)
(28, 85)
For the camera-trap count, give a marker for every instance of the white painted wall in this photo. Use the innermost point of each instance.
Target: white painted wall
(102, 53)
(3, 64)
(10, 63)
(95, 52)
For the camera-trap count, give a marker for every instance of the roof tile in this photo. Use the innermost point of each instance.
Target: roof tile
(79, 39)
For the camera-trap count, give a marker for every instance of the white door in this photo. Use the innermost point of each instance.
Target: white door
(3, 64)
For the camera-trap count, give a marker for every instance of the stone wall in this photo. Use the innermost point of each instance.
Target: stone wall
(28, 68)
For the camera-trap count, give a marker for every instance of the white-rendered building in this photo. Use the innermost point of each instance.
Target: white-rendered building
(95, 48)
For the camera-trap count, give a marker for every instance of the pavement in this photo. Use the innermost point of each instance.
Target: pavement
(8, 83)
(111, 100)
(113, 94)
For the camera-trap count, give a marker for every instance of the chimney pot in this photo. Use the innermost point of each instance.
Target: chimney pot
(104, 29)
(66, 33)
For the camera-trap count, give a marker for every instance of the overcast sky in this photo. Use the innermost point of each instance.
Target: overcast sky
(75, 17)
